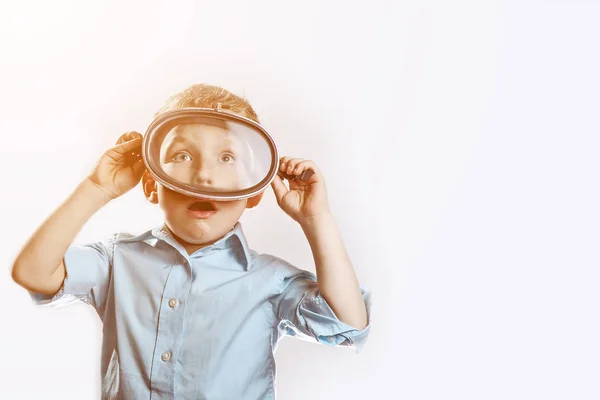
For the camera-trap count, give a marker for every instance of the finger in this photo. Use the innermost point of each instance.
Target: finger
(306, 173)
(128, 136)
(291, 164)
(283, 163)
(286, 161)
(303, 166)
(129, 146)
(129, 150)
(279, 188)
(123, 138)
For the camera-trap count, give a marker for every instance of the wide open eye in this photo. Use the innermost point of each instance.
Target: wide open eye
(227, 158)
(181, 156)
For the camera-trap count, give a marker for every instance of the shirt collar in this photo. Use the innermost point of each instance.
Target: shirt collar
(234, 239)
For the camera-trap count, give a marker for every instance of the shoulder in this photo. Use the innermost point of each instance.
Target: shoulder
(277, 266)
(115, 240)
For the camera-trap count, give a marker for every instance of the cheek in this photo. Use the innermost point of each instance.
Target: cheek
(179, 173)
(234, 209)
(167, 201)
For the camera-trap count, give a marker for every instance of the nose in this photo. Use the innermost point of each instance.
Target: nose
(202, 174)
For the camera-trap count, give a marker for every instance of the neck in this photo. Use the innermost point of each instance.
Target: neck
(192, 247)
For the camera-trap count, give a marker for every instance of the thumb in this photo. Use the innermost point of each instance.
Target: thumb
(279, 188)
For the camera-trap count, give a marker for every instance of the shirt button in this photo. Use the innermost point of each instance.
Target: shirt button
(166, 356)
(172, 303)
(331, 339)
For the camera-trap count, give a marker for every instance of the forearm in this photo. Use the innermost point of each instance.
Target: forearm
(36, 266)
(335, 275)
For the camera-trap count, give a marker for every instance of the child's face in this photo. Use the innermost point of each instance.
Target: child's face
(208, 157)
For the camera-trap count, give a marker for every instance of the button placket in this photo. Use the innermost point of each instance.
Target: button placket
(173, 293)
(170, 327)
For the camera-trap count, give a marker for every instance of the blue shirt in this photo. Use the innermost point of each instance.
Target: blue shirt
(199, 326)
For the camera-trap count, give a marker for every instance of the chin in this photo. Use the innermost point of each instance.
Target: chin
(198, 232)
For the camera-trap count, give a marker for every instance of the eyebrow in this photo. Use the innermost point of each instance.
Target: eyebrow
(179, 139)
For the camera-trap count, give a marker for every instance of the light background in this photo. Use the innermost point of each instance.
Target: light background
(459, 141)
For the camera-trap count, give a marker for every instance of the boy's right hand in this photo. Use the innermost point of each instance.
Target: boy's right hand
(121, 167)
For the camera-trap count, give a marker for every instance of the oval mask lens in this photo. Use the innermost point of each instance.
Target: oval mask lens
(210, 154)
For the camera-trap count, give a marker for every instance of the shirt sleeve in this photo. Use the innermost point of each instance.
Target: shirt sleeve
(87, 275)
(303, 312)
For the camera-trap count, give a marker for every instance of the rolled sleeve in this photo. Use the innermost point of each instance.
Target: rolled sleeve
(306, 314)
(87, 273)
(52, 300)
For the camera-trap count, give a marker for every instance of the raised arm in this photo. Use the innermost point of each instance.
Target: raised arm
(39, 267)
(306, 202)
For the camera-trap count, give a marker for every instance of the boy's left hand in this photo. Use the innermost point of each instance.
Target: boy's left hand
(303, 200)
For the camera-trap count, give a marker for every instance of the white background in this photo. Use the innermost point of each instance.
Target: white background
(459, 141)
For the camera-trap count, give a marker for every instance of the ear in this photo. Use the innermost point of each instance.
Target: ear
(253, 201)
(150, 187)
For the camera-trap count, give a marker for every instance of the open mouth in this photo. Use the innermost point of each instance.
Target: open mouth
(202, 206)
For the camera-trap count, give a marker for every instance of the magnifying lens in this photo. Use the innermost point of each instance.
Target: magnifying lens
(211, 154)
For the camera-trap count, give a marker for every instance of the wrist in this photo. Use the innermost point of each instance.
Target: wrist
(92, 191)
(314, 221)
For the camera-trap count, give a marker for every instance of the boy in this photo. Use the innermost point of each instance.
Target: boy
(189, 311)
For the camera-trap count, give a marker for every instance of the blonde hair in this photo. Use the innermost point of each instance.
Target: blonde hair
(207, 96)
